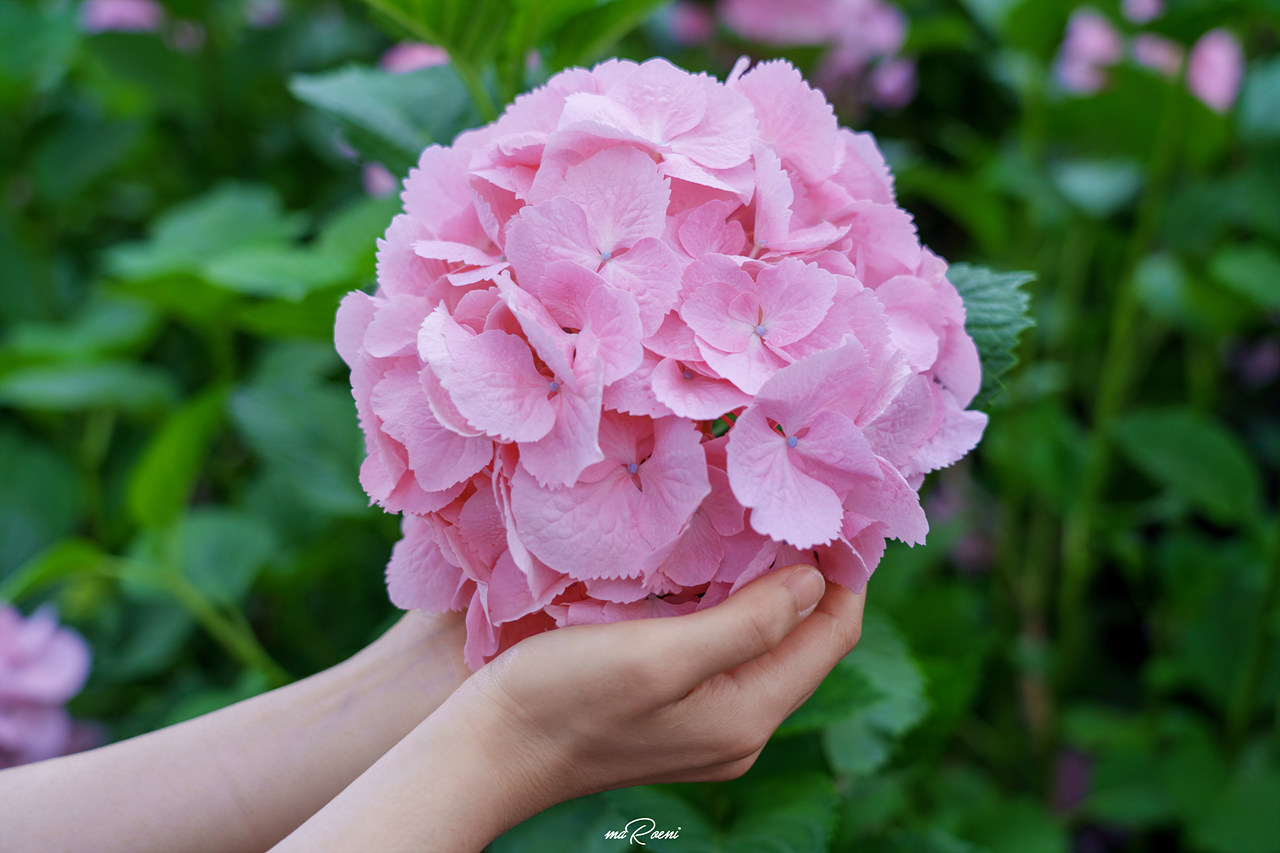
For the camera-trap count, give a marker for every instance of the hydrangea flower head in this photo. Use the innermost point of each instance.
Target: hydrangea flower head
(642, 338)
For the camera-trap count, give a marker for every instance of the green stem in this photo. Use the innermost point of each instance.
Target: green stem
(233, 635)
(1118, 367)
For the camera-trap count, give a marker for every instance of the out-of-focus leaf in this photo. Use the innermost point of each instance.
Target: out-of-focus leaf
(162, 479)
(790, 812)
(928, 841)
(997, 311)
(586, 36)
(389, 118)
(864, 741)
(1100, 188)
(1016, 826)
(279, 272)
(204, 229)
(61, 560)
(222, 552)
(1256, 114)
(104, 326)
(307, 431)
(1195, 458)
(121, 385)
(1252, 270)
(1242, 817)
(39, 42)
(79, 151)
(842, 693)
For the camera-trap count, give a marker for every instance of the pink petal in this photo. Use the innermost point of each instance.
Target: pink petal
(496, 387)
(690, 394)
(419, 576)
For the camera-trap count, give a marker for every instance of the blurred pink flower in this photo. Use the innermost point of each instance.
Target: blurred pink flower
(863, 37)
(40, 662)
(1215, 69)
(41, 667)
(133, 16)
(893, 83)
(262, 14)
(1141, 11)
(377, 180)
(1158, 53)
(411, 55)
(690, 23)
(1090, 46)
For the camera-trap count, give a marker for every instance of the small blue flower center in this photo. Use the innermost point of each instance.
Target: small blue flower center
(554, 386)
(605, 256)
(760, 330)
(632, 468)
(688, 374)
(792, 441)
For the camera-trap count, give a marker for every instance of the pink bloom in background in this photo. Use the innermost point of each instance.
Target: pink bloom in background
(690, 23)
(378, 180)
(41, 667)
(121, 15)
(863, 38)
(1215, 69)
(410, 56)
(1158, 53)
(1141, 11)
(1091, 46)
(578, 296)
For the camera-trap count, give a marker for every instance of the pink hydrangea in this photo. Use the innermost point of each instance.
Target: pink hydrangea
(1215, 69)
(862, 37)
(642, 338)
(1092, 44)
(121, 15)
(1142, 11)
(42, 666)
(411, 56)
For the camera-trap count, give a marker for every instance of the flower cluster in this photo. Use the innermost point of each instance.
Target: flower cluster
(41, 667)
(642, 338)
(1092, 44)
(863, 41)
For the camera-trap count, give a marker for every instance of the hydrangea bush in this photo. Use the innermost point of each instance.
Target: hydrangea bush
(642, 338)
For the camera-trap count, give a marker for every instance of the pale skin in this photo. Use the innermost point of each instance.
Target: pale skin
(400, 748)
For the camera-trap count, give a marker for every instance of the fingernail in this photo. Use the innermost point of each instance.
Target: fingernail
(807, 586)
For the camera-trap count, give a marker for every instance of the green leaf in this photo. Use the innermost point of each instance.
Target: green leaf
(795, 813)
(1195, 458)
(1242, 817)
(589, 35)
(1251, 270)
(843, 693)
(389, 118)
(222, 552)
(863, 742)
(997, 311)
(129, 387)
(928, 841)
(63, 559)
(39, 42)
(103, 326)
(204, 229)
(1256, 114)
(1100, 188)
(39, 498)
(278, 272)
(162, 479)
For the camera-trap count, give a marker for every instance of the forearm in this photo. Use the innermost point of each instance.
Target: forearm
(243, 777)
(451, 786)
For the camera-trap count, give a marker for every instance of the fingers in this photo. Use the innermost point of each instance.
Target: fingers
(748, 624)
(789, 673)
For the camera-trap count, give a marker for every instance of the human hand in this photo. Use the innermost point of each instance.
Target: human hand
(677, 699)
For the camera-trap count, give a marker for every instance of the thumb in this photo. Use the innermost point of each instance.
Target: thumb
(750, 623)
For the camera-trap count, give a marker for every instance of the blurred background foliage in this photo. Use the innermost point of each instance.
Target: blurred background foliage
(1086, 656)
